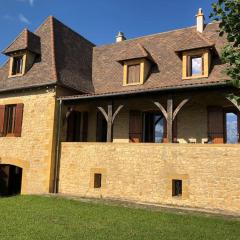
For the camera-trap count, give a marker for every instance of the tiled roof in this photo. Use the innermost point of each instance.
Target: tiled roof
(25, 41)
(145, 90)
(66, 58)
(167, 71)
(136, 51)
(70, 60)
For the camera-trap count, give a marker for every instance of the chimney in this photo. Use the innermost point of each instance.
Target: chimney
(120, 37)
(200, 20)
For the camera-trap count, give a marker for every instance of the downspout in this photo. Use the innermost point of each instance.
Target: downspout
(58, 148)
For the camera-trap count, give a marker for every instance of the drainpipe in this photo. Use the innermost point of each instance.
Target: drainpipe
(58, 148)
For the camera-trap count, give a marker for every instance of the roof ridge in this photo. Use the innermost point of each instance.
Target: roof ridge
(53, 49)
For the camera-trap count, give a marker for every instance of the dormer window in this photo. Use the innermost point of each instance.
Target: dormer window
(135, 71)
(17, 65)
(195, 64)
(133, 74)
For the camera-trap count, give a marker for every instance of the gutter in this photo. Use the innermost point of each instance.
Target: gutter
(138, 92)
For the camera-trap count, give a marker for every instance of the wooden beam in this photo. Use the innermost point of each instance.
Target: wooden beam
(234, 102)
(109, 123)
(179, 107)
(103, 113)
(162, 109)
(116, 112)
(170, 120)
(110, 117)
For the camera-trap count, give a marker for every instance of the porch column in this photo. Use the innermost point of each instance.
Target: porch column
(170, 120)
(110, 117)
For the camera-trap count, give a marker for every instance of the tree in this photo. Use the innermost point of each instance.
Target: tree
(228, 13)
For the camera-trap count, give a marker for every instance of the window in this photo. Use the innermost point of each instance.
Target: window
(196, 64)
(176, 188)
(135, 71)
(17, 66)
(133, 75)
(10, 119)
(97, 180)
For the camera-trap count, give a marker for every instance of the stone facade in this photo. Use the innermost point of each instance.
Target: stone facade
(34, 150)
(144, 173)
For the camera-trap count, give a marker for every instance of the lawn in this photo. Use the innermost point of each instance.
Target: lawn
(34, 217)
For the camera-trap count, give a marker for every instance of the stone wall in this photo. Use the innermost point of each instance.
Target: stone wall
(144, 172)
(33, 151)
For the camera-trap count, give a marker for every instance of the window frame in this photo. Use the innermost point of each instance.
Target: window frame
(144, 70)
(187, 57)
(12, 58)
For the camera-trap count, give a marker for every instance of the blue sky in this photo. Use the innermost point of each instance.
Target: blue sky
(99, 20)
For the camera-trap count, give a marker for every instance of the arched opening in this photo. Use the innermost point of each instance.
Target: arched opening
(10, 180)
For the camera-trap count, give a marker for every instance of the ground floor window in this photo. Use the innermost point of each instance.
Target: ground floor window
(97, 180)
(176, 187)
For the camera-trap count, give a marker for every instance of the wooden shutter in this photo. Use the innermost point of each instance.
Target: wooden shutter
(134, 73)
(2, 116)
(135, 126)
(215, 124)
(18, 120)
(84, 130)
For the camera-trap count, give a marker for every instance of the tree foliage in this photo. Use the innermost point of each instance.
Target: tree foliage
(228, 13)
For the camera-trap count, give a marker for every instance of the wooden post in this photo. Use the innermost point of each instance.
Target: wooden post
(170, 120)
(109, 123)
(170, 115)
(110, 117)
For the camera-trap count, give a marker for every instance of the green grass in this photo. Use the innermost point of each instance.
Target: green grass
(33, 217)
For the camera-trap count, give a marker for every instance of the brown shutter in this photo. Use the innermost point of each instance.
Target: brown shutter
(135, 126)
(215, 124)
(18, 120)
(134, 73)
(84, 132)
(2, 113)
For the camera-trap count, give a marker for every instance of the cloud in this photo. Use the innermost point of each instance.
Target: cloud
(23, 19)
(31, 2)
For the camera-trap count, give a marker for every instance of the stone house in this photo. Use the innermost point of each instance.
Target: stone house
(144, 120)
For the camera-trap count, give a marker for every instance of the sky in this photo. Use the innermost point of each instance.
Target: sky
(99, 20)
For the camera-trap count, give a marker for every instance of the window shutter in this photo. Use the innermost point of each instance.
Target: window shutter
(18, 120)
(215, 125)
(135, 126)
(2, 113)
(84, 133)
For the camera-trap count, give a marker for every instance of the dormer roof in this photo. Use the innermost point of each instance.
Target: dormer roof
(25, 41)
(194, 41)
(135, 52)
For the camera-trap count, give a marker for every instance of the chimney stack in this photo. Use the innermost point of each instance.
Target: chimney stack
(200, 20)
(120, 37)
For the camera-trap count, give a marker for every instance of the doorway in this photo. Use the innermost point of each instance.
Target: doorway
(153, 127)
(10, 180)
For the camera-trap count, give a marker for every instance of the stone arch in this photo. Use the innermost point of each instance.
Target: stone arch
(24, 165)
